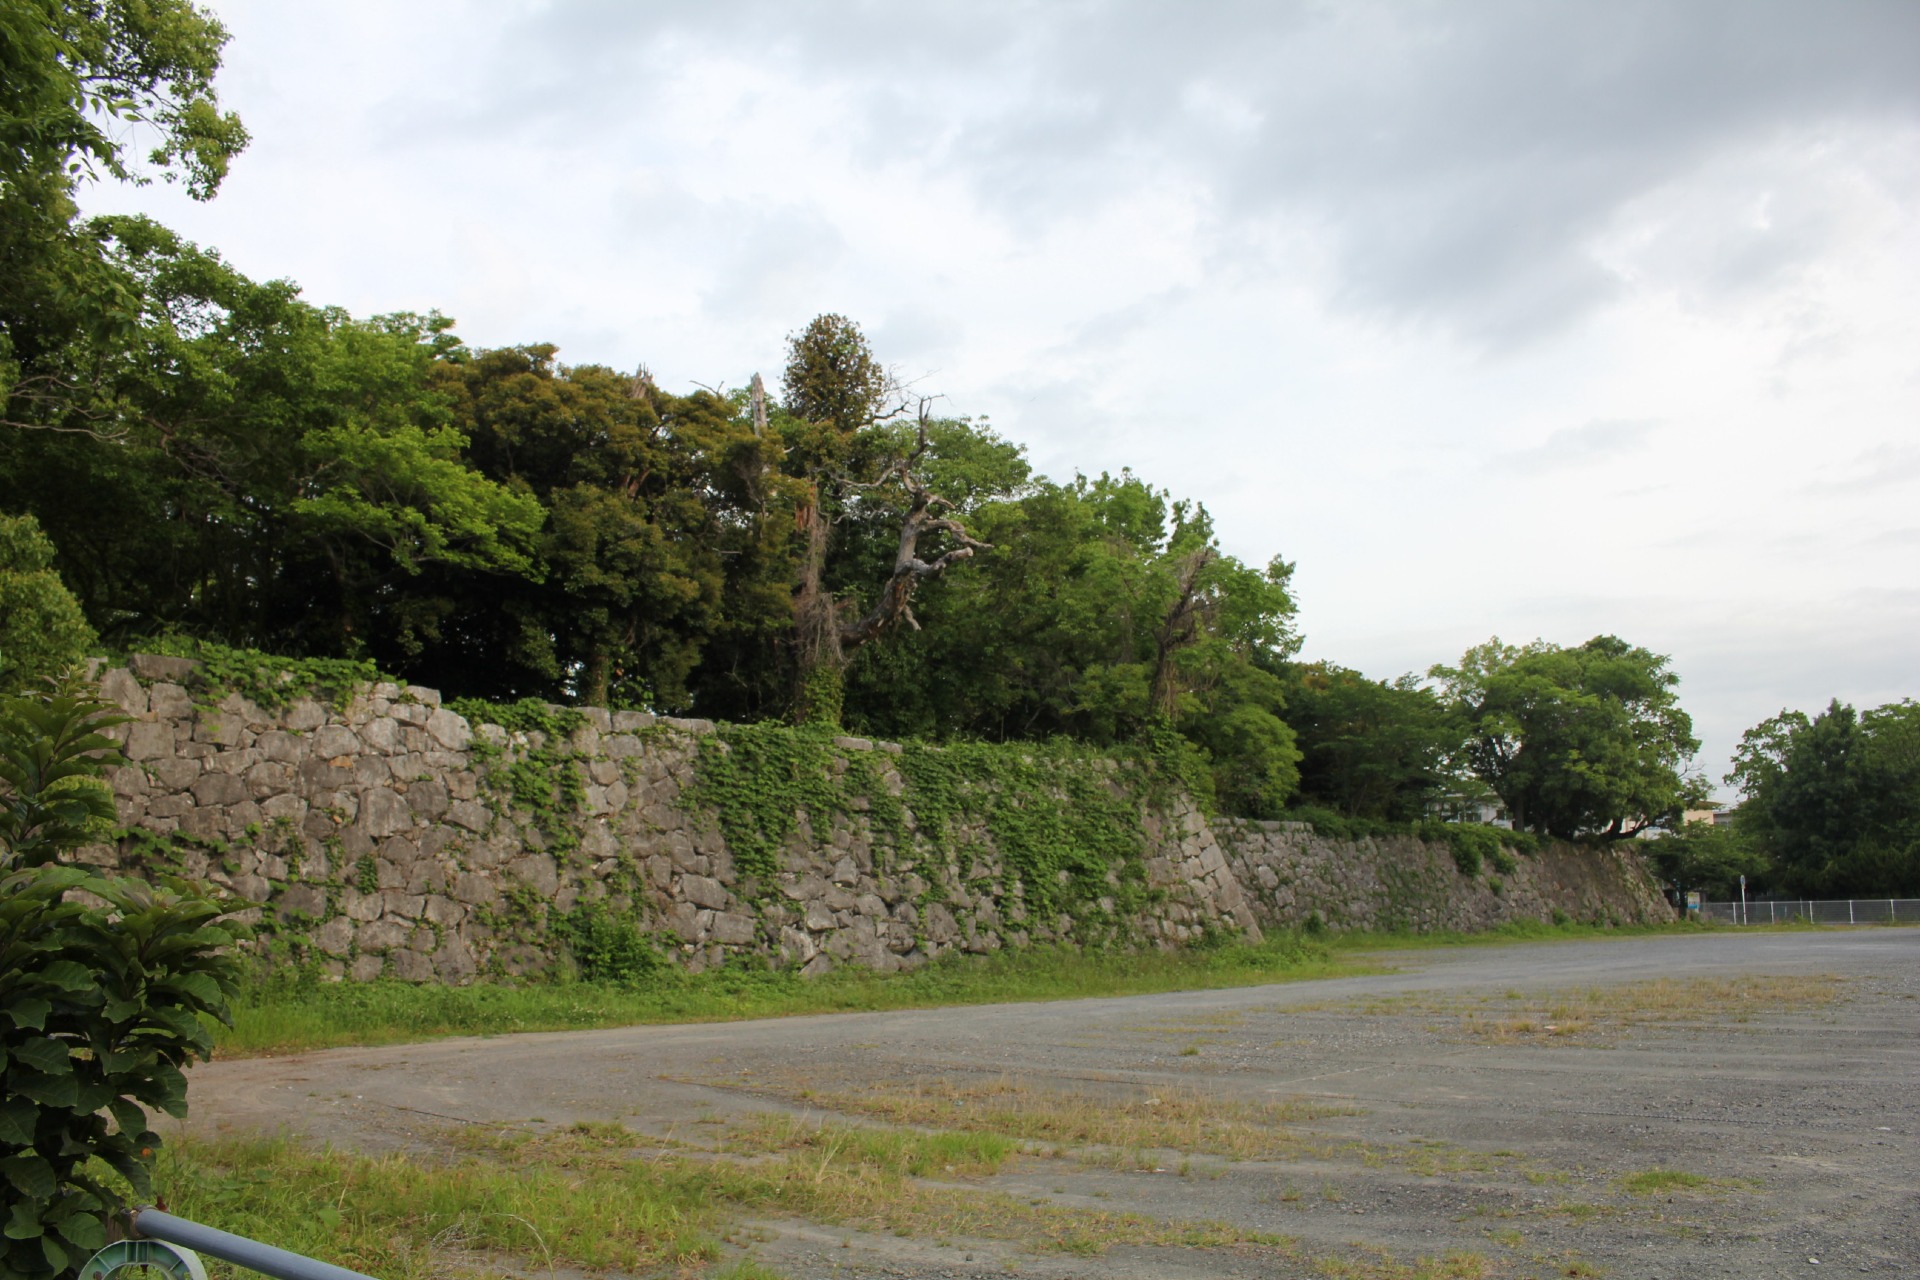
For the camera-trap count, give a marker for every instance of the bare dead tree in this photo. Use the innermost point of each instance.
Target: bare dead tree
(895, 603)
(1178, 627)
(757, 397)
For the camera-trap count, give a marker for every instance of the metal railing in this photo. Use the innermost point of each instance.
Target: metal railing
(1815, 911)
(169, 1245)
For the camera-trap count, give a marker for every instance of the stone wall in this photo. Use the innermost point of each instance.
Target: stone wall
(1291, 875)
(387, 837)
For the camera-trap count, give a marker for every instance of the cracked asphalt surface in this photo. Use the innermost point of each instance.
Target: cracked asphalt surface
(1806, 1121)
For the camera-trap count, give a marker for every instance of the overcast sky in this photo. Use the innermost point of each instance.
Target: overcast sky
(1528, 319)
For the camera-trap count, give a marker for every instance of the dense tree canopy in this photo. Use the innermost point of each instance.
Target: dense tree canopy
(1371, 748)
(73, 78)
(1833, 802)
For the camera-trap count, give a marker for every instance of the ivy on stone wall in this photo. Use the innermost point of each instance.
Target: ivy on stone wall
(1065, 824)
(267, 681)
(759, 778)
(542, 775)
(1472, 844)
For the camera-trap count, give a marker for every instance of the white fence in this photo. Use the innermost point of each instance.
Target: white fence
(1830, 911)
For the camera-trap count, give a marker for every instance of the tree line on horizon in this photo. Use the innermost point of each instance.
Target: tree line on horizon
(188, 452)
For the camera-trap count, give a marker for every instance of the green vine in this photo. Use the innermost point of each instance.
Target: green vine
(542, 777)
(758, 778)
(1065, 822)
(1472, 844)
(267, 681)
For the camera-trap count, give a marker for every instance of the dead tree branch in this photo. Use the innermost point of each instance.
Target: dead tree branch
(922, 519)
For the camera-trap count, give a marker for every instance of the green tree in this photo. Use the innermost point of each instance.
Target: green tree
(1834, 801)
(1370, 748)
(75, 78)
(281, 475)
(853, 460)
(1106, 613)
(647, 497)
(1709, 857)
(1588, 741)
(42, 630)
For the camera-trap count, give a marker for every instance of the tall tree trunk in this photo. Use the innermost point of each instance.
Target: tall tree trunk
(819, 662)
(1176, 631)
(596, 675)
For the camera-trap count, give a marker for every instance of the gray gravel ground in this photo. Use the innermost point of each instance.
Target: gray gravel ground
(1810, 1116)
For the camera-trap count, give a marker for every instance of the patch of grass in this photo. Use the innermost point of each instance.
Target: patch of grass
(586, 1198)
(1660, 1182)
(1378, 1264)
(905, 1153)
(1512, 933)
(1564, 1016)
(1129, 1122)
(293, 1016)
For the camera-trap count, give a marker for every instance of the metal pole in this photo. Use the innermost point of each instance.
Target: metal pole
(1744, 917)
(238, 1250)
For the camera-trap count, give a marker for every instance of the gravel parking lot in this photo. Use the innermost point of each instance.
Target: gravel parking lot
(1676, 1106)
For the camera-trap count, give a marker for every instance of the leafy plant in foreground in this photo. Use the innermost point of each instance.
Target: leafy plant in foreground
(104, 982)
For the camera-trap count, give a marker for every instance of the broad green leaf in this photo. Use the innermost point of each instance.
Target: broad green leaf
(48, 1091)
(30, 1174)
(91, 1095)
(117, 1062)
(198, 985)
(170, 1090)
(24, 1222)
(84, 1231)
(129, 1115)
(122, 1010)
(68, 975)
(29, 1013)
(17, 1119)
(44, 1054)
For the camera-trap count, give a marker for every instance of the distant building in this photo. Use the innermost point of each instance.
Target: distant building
(1486, 810)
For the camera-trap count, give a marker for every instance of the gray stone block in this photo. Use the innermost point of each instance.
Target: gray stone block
(153, 666)
(428, 798)
(703, 891)
(383, 812)
(536, 870)
(449, 730)
(469, 814)
(150, 741)
(120, 688)
(218, 788)
(411, 966)
(731, 929)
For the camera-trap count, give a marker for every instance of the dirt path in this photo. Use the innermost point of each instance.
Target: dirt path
(1471, 1130)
